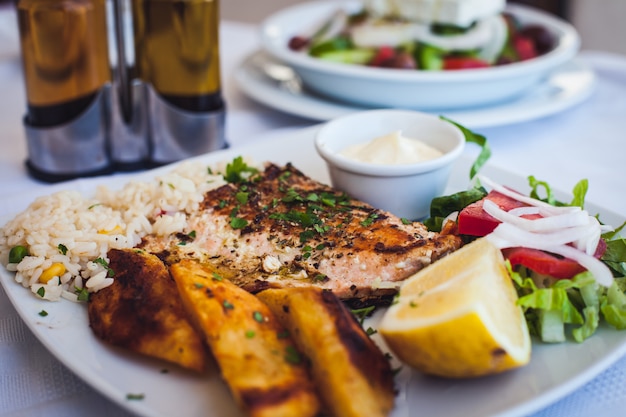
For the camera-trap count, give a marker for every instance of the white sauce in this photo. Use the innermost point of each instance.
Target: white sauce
(392, 149)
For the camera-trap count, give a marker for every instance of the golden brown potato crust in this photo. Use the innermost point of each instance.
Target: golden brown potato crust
(257, 358)
(351, 373)
(142, 311)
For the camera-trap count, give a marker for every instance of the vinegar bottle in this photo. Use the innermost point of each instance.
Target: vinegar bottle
(177, 51)
(64, 56)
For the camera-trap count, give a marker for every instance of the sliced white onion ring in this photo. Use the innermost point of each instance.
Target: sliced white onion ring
(528, 239)
(544, 224)
(567, 231)
(524, 199)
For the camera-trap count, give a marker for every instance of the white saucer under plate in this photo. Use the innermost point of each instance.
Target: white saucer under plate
(273, 84)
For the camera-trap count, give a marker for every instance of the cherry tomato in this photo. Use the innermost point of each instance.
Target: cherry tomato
(384, 54)
(525, 47)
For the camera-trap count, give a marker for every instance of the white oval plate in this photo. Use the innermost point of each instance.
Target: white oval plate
(275, 85)
(554, 371)
(422, 90)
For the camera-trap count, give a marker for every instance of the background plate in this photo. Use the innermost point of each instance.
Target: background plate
(267, 81)
(420, 90)
(554, 371)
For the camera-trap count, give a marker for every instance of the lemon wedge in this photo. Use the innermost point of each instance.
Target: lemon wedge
(457, 318)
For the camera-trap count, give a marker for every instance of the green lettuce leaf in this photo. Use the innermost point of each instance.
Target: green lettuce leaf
(441, 207)
(480, 140)
(613, 304)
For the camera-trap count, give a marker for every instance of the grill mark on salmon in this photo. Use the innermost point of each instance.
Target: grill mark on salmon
(283, 229)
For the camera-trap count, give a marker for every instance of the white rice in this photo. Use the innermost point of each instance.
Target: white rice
(89, 227)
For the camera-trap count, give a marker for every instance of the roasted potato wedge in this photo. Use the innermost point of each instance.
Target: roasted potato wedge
(142, 311)
(351, 373)
(257, 358)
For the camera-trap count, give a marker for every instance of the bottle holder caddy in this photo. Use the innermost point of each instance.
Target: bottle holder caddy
(128, 125)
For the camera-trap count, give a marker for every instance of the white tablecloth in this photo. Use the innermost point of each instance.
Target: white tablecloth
(586, 141)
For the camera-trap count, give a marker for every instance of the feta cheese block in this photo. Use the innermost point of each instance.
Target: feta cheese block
(460, 13)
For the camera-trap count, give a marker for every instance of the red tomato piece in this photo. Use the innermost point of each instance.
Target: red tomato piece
(543, 262)
(384, 53)
(457, 63)
(525, 47)
(474, 221)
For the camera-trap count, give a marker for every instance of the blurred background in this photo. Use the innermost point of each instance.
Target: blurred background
(600, 22)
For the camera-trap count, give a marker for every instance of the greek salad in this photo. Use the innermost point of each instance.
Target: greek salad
(408, 35)
(568, 267)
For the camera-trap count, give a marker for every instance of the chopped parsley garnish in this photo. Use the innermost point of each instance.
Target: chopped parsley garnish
(41, 292)
(291, 195)
(370, 331)
(198, 285)
(258, 317)
(82, 294)
(283, 335)
(217, 277)
(292, 356)
(250, 334)
(238, 223)
(369, 220)
(284, 176)
(242, 197)
(192, 234)
(93, 205)
(228, 305)
(236, 171)
(306, 235)
(62, 249)
(105, 264)
(131, 396)
(43, 313)
(362, 313)
(319, 277)
(405, 221)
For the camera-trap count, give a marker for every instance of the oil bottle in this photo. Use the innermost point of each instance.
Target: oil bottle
(66, 68)
(177, 57)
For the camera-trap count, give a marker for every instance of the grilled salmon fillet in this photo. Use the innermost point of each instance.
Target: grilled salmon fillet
(142, 311)
(282, 229)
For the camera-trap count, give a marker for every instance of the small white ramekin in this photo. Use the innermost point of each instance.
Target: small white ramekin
(405, 190)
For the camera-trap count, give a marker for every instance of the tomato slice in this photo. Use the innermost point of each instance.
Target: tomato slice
(457, 63)
(474, 221)
(543, 262)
